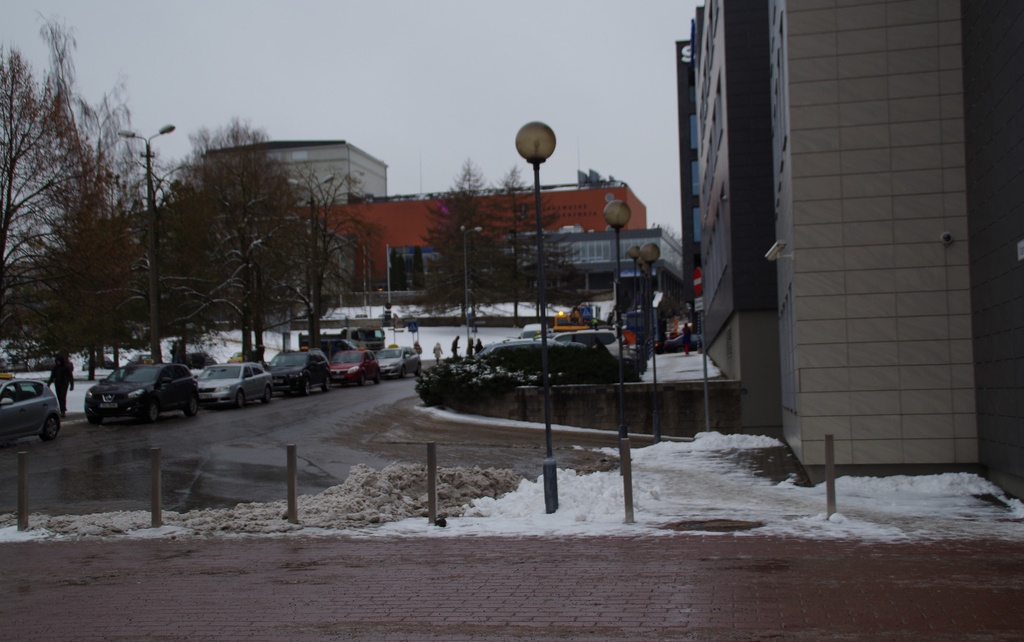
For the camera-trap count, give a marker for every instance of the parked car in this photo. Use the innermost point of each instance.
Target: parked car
(238, 357)
(593, 338)
(525, 344)
(398, 362)
(675, 344)
(27, 407)
(355, 366)
(143, 391)
(141, 358)
(298, 372)
(235, 383)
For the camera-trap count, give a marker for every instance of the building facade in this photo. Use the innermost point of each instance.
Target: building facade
(993, 55)
(740, 320)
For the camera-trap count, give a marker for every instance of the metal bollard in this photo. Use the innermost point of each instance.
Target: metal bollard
(293, 485)
(23, 491)
(830, 475)
(154, 499)
(432, 482)
(626, 460)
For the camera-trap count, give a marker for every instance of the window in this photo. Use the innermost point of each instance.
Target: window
(694, 134)
(696, 225)
(695, 178)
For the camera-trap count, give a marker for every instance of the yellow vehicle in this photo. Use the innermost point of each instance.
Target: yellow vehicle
(572, 321)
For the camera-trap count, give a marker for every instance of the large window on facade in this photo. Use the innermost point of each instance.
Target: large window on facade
(696, 225)
(695, 178)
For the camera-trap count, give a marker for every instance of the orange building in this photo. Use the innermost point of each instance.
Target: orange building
(403, 222)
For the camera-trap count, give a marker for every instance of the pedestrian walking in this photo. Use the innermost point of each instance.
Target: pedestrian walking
(437, 352)
(686, 338)
(455, 348)
(64, 378)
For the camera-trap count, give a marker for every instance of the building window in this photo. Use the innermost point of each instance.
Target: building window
(695, 178)
(694, 134)
(696, 225)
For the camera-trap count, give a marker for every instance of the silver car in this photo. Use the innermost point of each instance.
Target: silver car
(27, 408)
(398, 362)
(235, 384)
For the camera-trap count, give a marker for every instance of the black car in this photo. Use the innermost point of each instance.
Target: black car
(300, 371)
(143, 391)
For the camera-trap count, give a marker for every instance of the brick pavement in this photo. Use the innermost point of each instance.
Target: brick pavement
(673, 587)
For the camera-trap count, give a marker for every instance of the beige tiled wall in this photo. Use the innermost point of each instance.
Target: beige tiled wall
(882, 321)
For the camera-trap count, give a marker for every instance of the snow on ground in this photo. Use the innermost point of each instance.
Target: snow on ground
(674, 483)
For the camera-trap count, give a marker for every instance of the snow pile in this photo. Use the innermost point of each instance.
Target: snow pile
(366, 497)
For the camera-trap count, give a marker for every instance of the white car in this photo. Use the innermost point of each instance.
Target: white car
(235, 384)
(27, 408)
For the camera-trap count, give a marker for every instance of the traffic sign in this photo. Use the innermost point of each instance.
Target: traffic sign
(412, 326)
(698, 304)
(698, 282)
(586, 312)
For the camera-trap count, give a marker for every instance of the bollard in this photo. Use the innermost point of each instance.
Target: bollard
(830, 475)
(293, 486)
(23, 491)
(627, 477)
(154, 499)
(432, 482)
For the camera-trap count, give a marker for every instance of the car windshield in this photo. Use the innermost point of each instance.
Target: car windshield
(221, 372)
(288, 359)
(347, 357)
(136, 374)
(389, 354)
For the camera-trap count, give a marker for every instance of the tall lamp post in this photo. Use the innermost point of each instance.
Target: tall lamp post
(650, 254)
(536, 142)
(465, 272)
(617, 215)
(151, 255)
(633, 252)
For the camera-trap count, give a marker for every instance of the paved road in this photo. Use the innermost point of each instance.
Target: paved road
(672, 587)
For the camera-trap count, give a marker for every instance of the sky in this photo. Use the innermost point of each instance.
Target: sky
(675, 481)
(422, 86)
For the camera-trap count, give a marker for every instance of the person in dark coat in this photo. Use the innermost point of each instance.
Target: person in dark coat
(479, 345)
(455, 348)
(64, 378)
(687, 334)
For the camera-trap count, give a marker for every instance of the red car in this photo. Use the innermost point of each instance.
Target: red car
(354, 366)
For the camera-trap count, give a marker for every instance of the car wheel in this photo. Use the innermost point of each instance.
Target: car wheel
(50, 428)
(307, 386)
(239, 399)
(152, 411)
(326, 385)
(401, 373)
(94, 419)
(361, 379)
(268, 394)
(193, 406)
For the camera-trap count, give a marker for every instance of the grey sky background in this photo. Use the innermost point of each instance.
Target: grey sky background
(421, 85)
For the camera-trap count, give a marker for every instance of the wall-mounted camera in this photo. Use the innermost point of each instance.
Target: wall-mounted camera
(946, 238)
(774, 253)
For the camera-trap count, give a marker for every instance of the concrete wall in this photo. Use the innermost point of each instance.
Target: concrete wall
(680, 404)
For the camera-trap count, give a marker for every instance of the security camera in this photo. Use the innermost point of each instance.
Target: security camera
(946, 238)
(775, 252)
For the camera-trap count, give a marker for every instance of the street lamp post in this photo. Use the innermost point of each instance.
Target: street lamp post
(650, 254)
(535, 142)
(151, 255)
(465, 272)
(617, 215)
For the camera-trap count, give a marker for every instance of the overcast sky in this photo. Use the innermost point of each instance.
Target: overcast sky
(423, 86)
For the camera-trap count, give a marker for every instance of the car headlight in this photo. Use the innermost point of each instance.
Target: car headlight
(88, 394)
(223, 389)
(353, 370)
(135, 394)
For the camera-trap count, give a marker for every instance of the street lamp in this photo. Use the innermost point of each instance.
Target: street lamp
(536, 142)
(154, 266)
(633, 252)
(650, 254)
(465, 272)
(617, 215)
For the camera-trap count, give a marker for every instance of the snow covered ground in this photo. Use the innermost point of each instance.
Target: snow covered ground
(675, 486)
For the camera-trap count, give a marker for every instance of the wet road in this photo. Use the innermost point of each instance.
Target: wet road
(222, 457)
(213, 460)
